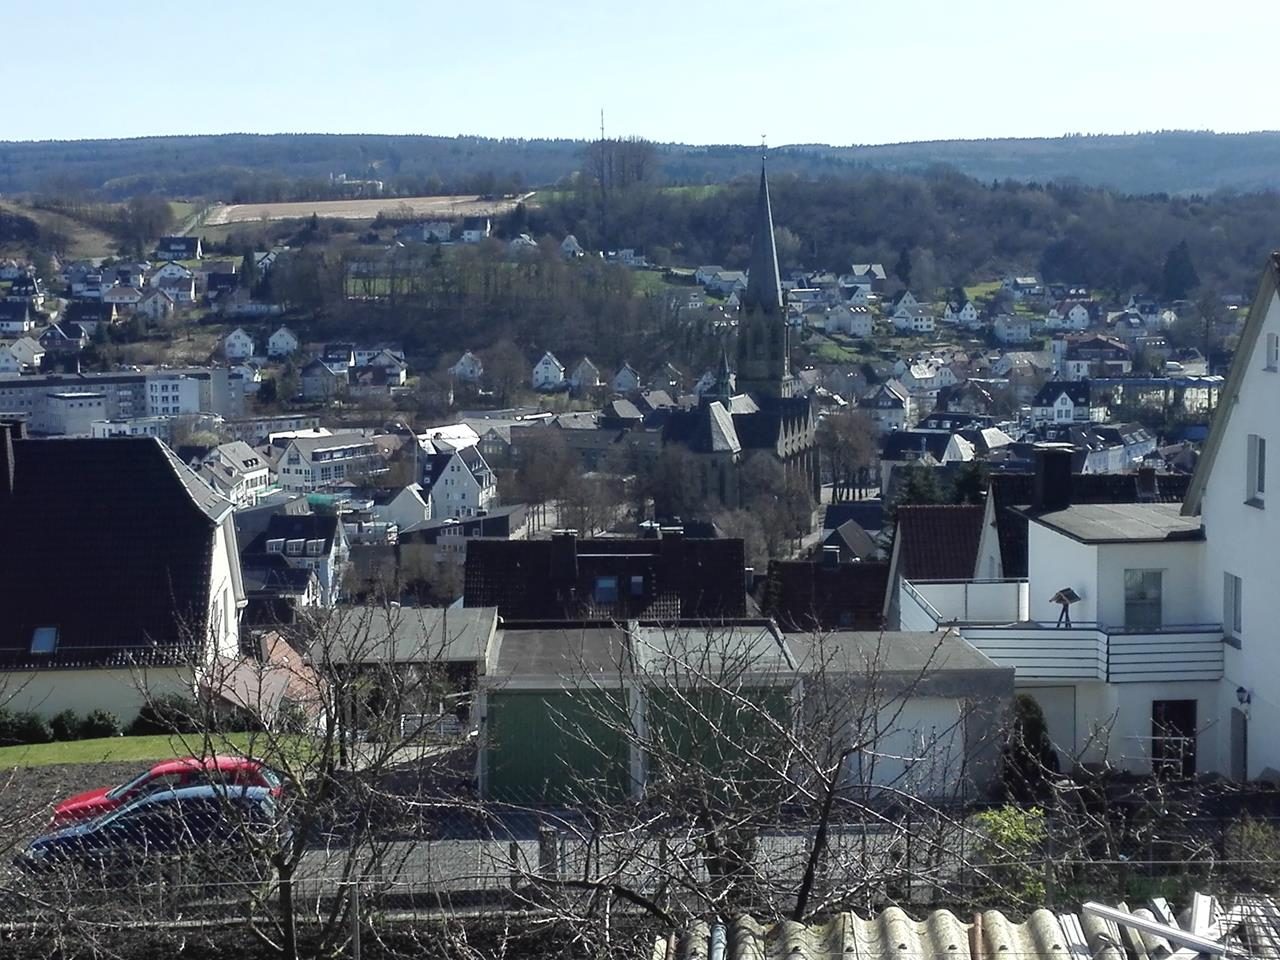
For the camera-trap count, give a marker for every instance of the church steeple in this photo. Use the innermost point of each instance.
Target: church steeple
(764, 340)
(764, 285)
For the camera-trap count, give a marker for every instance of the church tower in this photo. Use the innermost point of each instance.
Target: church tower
(764, 339)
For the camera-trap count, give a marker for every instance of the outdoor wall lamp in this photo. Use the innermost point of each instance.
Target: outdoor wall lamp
(1244, 696)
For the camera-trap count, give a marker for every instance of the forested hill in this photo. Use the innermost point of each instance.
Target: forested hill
(252, 167)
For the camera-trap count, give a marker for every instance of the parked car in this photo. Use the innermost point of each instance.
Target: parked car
(168, 775)
(212, 820)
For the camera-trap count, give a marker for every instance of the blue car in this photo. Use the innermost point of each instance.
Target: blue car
(184, 824)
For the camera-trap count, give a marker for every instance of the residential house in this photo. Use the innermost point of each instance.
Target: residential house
(180, 287)
(123, 297)
(1010, 328)
(319, 382)
(63, 339)
(913, 320)
(16, 318)
(570, 249)
(406, 506)
(156, 305)
(873, 275)
(962, 313)
(310, 463)
(390, 361)
(903, 300)
(1112, 632)
(235, 470)
(21, 355)
(27, 288)
(886, 407)
(436, 547)
(837, 592)
(469, 368)
(1022, 287)
(1229, 495)
(548, 374)
(458, 482)
(179, 248)
(1070, 315)
(850, 319)
(311, 541)
(585, 377)
(1095, 356)
(1062, 402)
(163, 603)
(475, 229)
(626, 380)
(238, 345)
(728, 282)
(283, 343)
(371, 381)
(666, 578)
(90, 315)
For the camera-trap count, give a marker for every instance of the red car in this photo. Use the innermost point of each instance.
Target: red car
(168, 775)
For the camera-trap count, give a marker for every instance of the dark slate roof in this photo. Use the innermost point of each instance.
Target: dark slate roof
(14, 310)
(1012, 490)
(938, 541)
(78, 311)
(136, 527)
(281, 526)
(1077, 390)
(850, 536)
(554, 579)
(497, 522)
(803, 595)
(764, 286)
(271, 575)
(869, 515)
(761, 430)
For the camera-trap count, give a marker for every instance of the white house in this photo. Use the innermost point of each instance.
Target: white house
(707, 273)
(236, 471)
(238, 345)
(548, 373)
(570, 248)
(156, 305)
(1010, 328)
(310, 463)
(1241, 577)
(282, 343)
(1135, 676)
(626, 380)
(459, 483)
(886, 407)
(964, 314)
(469, 368)
(22, 354)
(913, 320)
(405, 507)
(585, 377)
(1068, 315)
(1063, 403)
(851, 320)
(475, 229)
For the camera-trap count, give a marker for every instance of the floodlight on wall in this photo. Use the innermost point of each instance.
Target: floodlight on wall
(1244, 696)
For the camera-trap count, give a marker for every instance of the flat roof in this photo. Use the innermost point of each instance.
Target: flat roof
(858, 651)
(1122, 522)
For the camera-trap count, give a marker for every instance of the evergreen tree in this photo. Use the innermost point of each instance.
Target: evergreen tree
(902, 269)
(1180, 276)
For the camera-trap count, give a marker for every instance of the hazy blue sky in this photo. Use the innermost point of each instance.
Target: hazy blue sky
(836, 71)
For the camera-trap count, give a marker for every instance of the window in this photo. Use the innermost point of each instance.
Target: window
(44, 640)
(606, 590)
(1256, 489)
(275, 546)
(294, 548)
(1142, 607)
(1232, 607)
(1273, 351)
(637, 586)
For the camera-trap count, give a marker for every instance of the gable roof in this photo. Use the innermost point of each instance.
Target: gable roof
(284, 526)
(146, 535)
(1076, 390)
(1240, 364)
(938, 541)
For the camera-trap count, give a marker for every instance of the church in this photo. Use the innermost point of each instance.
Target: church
(758, 407)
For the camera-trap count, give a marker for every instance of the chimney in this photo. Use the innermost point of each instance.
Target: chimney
(830, 558)
(564, 555)
(1147, 489)
(1051, 489)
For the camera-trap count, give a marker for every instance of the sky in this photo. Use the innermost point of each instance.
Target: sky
(690, 71)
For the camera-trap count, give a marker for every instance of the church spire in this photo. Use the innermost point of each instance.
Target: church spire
(764, 286)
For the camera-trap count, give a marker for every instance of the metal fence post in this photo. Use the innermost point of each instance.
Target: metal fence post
(548, 848)
(355, 920)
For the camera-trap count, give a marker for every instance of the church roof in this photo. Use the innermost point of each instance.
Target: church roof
(764, 286)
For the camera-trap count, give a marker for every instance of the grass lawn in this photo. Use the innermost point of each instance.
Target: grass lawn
(125, 749)
(648, 282)
(982, 289)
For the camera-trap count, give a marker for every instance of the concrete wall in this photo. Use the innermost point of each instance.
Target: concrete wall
(1181, 595)
(120, 691)
(1054, 562)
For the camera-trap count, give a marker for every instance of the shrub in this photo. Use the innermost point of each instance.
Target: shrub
(1010, 848)
(171, 713)
(30, 727)
(65, 725)
(99, 723)
(1029, 758)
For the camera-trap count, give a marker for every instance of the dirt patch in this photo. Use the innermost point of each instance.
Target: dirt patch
(450, 208)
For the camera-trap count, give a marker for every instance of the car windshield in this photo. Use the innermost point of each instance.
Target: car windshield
(129, 786)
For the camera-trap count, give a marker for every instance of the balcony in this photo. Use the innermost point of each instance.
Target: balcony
(1042, 650)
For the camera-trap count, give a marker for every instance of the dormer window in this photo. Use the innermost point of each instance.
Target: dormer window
(315, 548)
(44, 640)
(294, 548)
(275, 546)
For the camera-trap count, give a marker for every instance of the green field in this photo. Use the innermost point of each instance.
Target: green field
(982, 290)
(125, 749)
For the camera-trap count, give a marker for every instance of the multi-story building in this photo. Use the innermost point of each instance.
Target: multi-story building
(308, 464)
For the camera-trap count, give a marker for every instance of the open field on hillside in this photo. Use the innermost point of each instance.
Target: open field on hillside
(446, 207)
(82, 241)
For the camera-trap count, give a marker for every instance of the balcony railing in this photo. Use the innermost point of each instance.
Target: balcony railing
(1045, 650)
